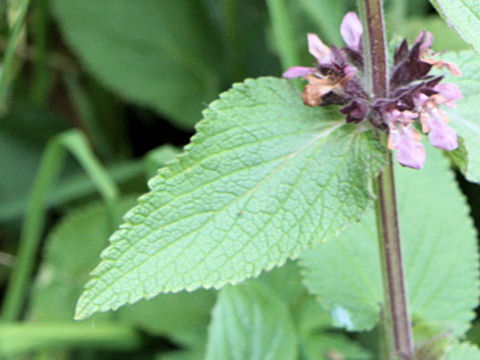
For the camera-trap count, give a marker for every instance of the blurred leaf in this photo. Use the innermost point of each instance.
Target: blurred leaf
(465, 116)
(17, 154)
(310, 317)
(332, 347)
(250, 322)
(440, 256)
(24, 130)
(423, 332)
(242, 26)
(327, 15)
(417, 7)
(159, 53)
(183, 317)
(286, 282)
(431, 342)
(17, 338)
(444, 37)
(463, 351)
(158, 157)
(72, 249)
(33, 124)
(238, 200)
(283, 33)
(181, 355)
(463, 16)
(68, 188)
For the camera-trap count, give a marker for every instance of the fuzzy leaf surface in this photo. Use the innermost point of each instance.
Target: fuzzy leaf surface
(72, 251)
(264, 178)
(465, 117)
(463, 16)
(153, 52)
(463, 351)
(439, 248)
(250, 322)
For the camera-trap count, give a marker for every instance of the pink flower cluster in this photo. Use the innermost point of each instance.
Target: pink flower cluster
(415, 96)
(406, 140)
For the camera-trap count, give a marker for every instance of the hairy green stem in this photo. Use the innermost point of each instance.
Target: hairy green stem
(33, 225)
(397, 324)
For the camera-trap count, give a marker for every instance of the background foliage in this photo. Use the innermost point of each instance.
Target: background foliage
(132, 78)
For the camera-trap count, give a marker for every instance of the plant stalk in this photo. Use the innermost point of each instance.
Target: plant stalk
(9, 55)
(397, 324)
(33, 225)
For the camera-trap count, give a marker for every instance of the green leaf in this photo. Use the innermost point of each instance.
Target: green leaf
(159, 53)
(465, 119)
(327, 15)
(264, 178)
(25, 337)
(182, 317)
(463, 16)
(71, 252)
(181, 355)
(286, 282)
(463, 351)
(445, 37)
(158, 157)
(33, 124)
(333, 346)
(67, 188)
(16, 154)
(440, 256)
(250, 322)
(310, 317)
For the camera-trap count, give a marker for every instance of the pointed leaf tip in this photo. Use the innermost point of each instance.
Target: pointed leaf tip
(263, 178)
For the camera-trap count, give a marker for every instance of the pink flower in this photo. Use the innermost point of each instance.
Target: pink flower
(410, 152)
(403, 138)
(297, 71)
(428, 55)
(317, 48)
(427, 41)
(449, 92)
(434, 121)
(352, 30)
(415, 96)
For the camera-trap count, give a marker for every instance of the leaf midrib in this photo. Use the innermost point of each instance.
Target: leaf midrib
(321, 135)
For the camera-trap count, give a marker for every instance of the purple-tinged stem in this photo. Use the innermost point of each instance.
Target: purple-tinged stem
(397, 325)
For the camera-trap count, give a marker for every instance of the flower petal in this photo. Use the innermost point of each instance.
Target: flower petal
(410, 152)
(318, 49)
(449, 91)
(297, 71)
(441, 135)
(351, 30)
(427, 40)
